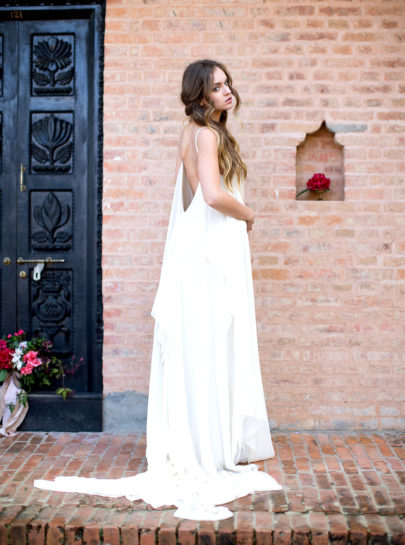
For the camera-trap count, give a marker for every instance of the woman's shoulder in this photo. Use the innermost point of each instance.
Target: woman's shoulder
(196, 135)
(205, 137)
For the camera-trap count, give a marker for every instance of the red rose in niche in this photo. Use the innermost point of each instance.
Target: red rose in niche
(318, 182)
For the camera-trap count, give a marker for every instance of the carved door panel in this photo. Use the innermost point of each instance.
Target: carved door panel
(49, 189)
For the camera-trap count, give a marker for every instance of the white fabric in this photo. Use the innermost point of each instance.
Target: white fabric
(9, 398)
(206, 408)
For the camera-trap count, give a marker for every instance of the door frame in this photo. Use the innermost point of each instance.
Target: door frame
(84, 411)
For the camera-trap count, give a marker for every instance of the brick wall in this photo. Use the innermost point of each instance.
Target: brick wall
(329, 276)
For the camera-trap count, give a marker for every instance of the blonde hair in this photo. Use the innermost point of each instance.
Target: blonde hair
(197, 86)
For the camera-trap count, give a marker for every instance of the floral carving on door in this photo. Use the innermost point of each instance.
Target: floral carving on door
(51, 143)
(51, 213)
(52, 65)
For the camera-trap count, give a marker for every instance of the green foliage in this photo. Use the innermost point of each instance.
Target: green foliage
(64, 392)
(22, 398)
(44, 367)
(52, 368)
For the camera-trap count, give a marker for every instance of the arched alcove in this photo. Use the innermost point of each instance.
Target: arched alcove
(319, 152)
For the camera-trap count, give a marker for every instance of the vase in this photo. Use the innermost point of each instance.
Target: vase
(12, 410)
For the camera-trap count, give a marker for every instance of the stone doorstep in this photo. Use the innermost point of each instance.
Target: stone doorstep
(39, 525)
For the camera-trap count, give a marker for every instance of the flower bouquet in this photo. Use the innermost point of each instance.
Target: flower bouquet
(319, 182)
(25, 365)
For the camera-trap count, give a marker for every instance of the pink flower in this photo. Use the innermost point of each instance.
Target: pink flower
(3, 344)
(27, 370)
(9, 336)
(30, 356)
(20, 332)
(31, 359)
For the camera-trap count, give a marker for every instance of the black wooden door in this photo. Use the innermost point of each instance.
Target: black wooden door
(49, 108)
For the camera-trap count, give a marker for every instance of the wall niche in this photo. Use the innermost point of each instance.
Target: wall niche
(319, 152)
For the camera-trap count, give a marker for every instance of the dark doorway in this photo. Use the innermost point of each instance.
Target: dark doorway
(50, 202)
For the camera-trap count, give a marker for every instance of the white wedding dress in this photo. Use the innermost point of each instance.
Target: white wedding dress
(206, 411)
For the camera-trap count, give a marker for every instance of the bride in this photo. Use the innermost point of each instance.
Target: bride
(207, 417)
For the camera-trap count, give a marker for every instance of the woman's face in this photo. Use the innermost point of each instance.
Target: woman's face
(221, 94)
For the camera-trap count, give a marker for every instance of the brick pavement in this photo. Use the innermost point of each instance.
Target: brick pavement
(338, 487)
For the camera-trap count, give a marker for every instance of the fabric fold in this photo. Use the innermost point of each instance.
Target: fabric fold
(12, 410)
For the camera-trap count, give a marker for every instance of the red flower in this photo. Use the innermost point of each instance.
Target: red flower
(5, 358)
(318, 182)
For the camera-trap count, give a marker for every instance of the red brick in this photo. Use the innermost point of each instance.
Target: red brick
(111, 535)
(301, 529)
(338, 529)
(263, 528)
(73, 536)
(148, 532)
(9, 513)
(17, 534)
(282, 530)
(91, 535)
(319, 529)
(206, 533)
(187, 532)
(168, 529)
(3, 534)
(396, 529)
(358, 530)
(130, 535)
(377, 529)
(244, 522)
(55, 536)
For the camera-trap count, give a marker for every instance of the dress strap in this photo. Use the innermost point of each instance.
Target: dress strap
(195, 140)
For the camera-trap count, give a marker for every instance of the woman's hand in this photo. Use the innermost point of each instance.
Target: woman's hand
(250, 220)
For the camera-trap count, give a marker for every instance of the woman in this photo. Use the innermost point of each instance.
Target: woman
(206, 411)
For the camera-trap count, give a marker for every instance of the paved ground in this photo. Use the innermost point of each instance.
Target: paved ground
(338, 487)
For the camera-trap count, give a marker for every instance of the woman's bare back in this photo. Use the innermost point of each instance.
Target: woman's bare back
(188, 154)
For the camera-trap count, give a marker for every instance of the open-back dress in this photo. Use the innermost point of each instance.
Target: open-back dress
(206, 409)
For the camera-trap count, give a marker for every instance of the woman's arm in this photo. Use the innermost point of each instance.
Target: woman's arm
(208, 172)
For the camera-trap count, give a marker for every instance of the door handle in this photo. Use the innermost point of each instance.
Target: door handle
(39, 266)
(46, 260)
(22, 170)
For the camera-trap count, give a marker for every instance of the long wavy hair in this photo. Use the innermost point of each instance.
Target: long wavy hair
(197, 86)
